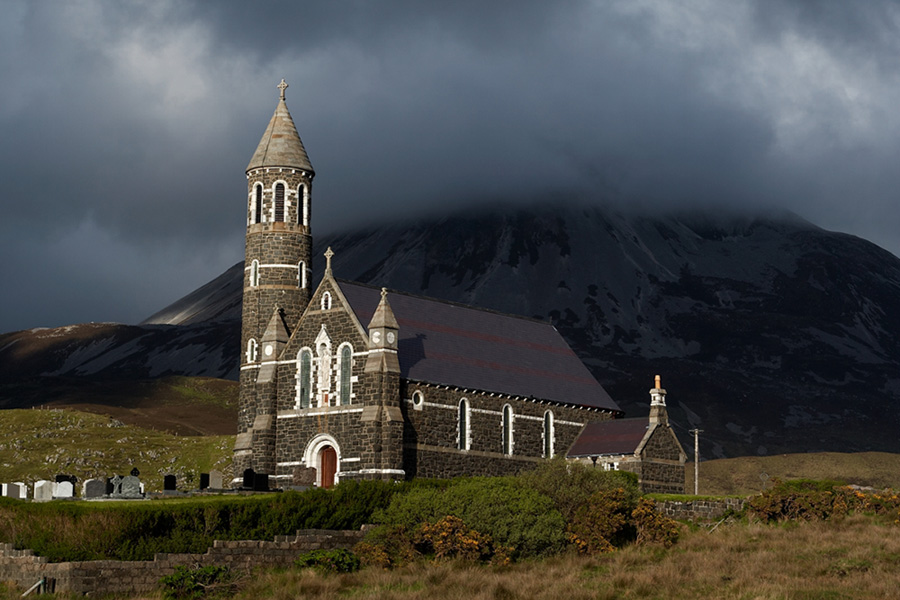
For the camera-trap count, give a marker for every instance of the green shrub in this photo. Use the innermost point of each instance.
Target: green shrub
(570, 485)
(329, 561)
(511, 513)
(603, 522)
(189, 584)
(802, 499)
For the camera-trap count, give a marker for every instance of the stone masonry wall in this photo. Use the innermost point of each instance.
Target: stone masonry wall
(662, 469)
(104, 577)
(700, 509)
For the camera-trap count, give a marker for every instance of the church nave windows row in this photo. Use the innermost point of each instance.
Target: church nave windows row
(507, 427)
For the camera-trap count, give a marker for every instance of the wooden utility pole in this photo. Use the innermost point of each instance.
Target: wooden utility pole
(696, 433)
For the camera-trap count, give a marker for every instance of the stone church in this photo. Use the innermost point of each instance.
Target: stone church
(346, 381)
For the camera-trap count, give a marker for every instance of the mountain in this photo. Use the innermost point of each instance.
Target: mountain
(771, 335)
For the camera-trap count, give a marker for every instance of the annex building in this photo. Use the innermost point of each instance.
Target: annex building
(343, 380)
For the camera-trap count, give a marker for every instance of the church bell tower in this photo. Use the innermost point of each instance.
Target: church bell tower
(277, 267)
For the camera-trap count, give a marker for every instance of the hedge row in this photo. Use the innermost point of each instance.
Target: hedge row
(75, 531)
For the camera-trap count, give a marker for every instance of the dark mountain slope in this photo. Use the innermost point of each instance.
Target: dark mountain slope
(771, 335)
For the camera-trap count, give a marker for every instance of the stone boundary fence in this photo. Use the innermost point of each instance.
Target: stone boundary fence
(101, 577)
(702, 510)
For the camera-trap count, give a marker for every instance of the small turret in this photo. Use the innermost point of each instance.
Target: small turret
(383, 333)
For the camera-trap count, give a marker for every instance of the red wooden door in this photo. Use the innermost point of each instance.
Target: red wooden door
(328, 466)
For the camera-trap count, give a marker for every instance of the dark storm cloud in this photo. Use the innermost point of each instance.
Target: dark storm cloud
(125, 128)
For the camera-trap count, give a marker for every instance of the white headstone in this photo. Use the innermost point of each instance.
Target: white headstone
(215, 480)
(43, 490)
(23, 490)
(4, 489)
(64, 489)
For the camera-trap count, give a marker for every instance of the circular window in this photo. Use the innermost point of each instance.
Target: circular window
(418, 400)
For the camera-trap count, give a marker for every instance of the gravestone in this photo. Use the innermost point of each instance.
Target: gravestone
(204, 481)
(169, 483)
(70, 478)
(116, 484)
(249, 480)
(261, 482)
(43, 490)
(64, 489)
(93, 488)
(304, 477)
(131, 487)
(135, 472)
(216, 480)
(10, 490)
(4, 487)
(23, 490)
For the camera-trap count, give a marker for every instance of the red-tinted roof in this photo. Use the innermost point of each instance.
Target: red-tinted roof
(620, 436)
(460, 346)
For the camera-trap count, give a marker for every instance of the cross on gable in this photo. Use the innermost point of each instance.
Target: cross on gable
(282, 86)
(328, 254)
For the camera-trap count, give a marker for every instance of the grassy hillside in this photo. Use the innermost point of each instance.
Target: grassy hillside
(180, 405)
(38, 444)
(750, 474)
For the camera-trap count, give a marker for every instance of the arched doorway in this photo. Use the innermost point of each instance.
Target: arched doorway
(327, 465)
(323, 453)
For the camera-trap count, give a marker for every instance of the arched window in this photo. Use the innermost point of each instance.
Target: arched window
(303, 211)
(254, 273)
(304, 374)
(252, 348)
(346, 371)
(507, 432)
(301, 275)
(326, 301)
(257, 203)
(279, 202)
(462, 441)
(548, 434)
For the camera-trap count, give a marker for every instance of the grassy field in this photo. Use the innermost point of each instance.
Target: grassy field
(750, 474)
(853, 558)
(39, 444)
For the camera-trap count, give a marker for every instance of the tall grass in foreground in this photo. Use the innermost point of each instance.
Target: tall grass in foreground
(856, 557)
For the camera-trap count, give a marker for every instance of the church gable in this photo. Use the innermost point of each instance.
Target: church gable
(323, 359)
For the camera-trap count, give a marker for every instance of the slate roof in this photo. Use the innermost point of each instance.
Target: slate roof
(280, 145)
(461, 346)
(620, 436)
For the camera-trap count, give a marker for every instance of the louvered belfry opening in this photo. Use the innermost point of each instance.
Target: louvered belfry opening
(279, 203)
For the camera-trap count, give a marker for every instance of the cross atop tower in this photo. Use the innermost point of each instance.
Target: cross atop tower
(282, 86)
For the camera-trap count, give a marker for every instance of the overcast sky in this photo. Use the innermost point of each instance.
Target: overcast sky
(125, 127)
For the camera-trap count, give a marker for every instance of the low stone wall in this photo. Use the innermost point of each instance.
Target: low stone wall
(700, 510)
(102, 577)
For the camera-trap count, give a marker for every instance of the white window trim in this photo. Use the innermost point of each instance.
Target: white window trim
(464, 443)
(287, 189)
(303, 203)
(418, 400)
(512, 419)
(551, 431)
(252, 350)
(254, 273)
(339, 373)
(301, 274)
(298, 377)
(326, 301)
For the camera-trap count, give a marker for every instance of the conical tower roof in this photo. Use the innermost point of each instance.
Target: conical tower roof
(280, 145)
